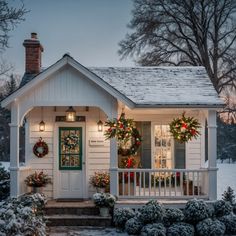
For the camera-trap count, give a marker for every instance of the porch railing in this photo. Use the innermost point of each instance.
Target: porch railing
(162, 183)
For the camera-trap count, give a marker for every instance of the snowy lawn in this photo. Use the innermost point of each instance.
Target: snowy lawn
(226, 176)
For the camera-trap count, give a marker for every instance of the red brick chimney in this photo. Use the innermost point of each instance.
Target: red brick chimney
(33, 50)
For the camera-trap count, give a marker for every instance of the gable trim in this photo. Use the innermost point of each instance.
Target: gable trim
(66, 59)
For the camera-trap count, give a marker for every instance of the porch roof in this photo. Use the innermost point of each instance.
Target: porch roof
(162, 86)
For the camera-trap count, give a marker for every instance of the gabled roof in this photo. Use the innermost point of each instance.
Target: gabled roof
(140, 86)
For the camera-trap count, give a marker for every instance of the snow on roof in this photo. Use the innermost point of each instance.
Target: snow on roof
(161, 85)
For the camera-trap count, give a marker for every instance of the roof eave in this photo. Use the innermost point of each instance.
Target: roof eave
(214, 106)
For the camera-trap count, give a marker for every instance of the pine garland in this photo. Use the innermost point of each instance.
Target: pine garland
(184, 128)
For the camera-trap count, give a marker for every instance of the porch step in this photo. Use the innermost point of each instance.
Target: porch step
(78, 220)
(75, 214)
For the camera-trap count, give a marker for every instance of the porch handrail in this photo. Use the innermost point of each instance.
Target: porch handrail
(162, 183)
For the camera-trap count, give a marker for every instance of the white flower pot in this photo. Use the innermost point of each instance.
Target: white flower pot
(104, 211)
(100, 190)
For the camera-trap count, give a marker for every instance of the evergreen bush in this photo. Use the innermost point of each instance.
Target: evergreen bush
(152, 212)
(230, 223)
(180, 229)
(4, 183)
(195, 211)
(210, 227)
(133, 226)
(121, 215)
(222, 208)
(156, 229)
(173, 215)
(23, 216)
(229, 195)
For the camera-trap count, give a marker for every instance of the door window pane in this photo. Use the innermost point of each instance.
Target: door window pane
(70, 148)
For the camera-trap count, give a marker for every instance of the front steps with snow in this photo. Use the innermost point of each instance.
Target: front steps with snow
(75, 214)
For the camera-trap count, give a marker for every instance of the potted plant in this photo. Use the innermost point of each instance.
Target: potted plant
(100, 181)
(37, 180)
(104, 201)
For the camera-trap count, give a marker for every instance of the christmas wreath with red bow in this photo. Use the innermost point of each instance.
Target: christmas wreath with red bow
(184, 128)
(127, 135)
(40, 148)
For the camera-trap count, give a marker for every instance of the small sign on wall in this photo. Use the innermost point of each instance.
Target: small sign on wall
(97, 142)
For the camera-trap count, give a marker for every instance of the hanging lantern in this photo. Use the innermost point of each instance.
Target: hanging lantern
(70, 114)
(41, 126)
(100, 126)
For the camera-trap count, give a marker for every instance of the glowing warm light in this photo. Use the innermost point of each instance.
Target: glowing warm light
(70, 114)
(41, 126)
(100, 126)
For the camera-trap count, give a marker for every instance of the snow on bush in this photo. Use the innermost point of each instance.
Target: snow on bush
(222, 208)
(180, 229)
(23, 216)
(104, 199)
(133, 226)
(153, 211)
(4, 183)
(195, 211)
(210, 227)
(230, 223)
(173, 215)
(121, 215)
(156, 229)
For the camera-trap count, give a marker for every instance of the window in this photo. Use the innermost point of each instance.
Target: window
(163, 147)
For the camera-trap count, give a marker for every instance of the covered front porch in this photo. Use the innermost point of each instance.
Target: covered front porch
(198, 178)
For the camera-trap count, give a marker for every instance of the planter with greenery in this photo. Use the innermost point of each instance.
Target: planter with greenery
(37, 180)
(100, 181)
(104, 201)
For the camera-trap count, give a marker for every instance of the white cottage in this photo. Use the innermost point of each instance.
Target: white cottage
(152, 96)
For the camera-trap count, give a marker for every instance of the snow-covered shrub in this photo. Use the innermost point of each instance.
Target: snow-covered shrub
(230, 223)
(173, 215)
(210, 227)
(151, 212)
(155, 229)
(121, 215)
(22, 216)
(4, 183)
(180, 229)
(222, 208)
(133, 226)
(195, 211)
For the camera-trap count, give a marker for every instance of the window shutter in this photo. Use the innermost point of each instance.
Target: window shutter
(180, 156)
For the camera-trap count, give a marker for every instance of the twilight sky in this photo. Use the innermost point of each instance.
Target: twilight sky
(88, 29)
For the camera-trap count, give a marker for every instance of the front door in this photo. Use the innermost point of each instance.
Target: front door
(70, 144)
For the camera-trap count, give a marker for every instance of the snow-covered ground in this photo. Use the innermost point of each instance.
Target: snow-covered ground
(226, 176)
(5, 164)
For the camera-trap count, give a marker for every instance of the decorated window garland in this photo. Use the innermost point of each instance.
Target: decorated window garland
(40, 148)
(71, 141)
(184, 128)
(127, 135)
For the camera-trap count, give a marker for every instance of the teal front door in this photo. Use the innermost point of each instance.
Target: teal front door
(70, 145)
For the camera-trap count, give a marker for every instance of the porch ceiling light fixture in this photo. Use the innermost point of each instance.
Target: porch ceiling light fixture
(100, 124)
(70, 114)
(41, 124)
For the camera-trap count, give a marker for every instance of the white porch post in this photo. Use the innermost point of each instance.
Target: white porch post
(113, 159)
(14, 150)
(212, 155)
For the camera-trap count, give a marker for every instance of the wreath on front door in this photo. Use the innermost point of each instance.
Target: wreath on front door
(40, 148)
(127, 135)
(71, 141)
(185, 128)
